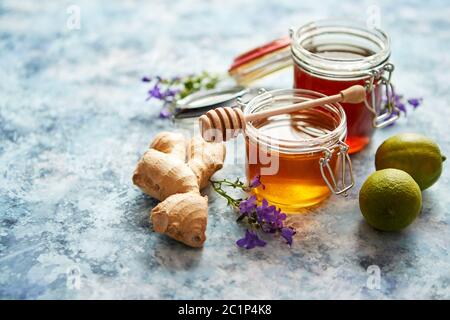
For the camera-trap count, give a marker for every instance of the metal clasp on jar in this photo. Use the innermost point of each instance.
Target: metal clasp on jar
(344, 161)
(382, 116)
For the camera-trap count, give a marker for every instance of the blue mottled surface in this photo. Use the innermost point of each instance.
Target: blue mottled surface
(73, 123)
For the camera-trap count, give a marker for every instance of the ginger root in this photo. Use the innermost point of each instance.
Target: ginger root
(164, 174)
(160, 175)
(182, 216)
(205, 158)
(170, 142)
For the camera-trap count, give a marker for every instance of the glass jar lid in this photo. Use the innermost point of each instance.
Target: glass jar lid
(305, 131)
(339, 48)
(259, 62)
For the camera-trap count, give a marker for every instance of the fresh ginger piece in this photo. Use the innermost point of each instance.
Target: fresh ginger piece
(161, 175)
(182, 216)
(170, 142)
(205, 158)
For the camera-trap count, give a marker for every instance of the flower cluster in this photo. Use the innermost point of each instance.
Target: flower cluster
(398, 101)
(259, 217)
(169, 90)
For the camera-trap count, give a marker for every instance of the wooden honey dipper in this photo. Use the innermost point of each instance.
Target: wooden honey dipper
(223, 123)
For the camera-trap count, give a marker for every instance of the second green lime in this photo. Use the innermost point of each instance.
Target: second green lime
(390, 200)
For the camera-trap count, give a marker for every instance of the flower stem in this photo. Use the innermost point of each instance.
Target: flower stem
(217, 185)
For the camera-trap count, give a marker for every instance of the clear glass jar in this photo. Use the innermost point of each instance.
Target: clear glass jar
(300, 157)
(332, 55)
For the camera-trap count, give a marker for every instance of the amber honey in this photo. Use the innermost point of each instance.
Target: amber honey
(332, 55)
(359, 118)
(298, 183)
(295, 155)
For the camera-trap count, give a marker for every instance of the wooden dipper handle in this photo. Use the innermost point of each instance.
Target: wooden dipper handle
(222, 124)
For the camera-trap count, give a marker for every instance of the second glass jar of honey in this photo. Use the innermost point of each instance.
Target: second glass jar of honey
(300, 157)
(332, 55)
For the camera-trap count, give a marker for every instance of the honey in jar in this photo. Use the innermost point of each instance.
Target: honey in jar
(297, 156)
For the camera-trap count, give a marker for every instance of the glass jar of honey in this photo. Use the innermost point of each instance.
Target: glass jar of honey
(300, 157)
(329, 56)
(332, 55)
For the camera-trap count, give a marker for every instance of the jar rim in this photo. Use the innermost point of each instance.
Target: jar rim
(339, 67)
(313, 144)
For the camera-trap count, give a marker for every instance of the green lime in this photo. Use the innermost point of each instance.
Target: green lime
(413, 153)
(390, 200)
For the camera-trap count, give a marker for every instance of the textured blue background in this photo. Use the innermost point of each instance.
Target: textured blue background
(73, 123)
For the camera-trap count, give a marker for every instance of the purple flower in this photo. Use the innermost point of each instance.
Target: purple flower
(398, 97)
(398, 102)
(170, 92)
(400, 105)
(247, 206)
(264, 211)
(288, 233)
(415, 102)
(256, 182)
(146, 79)
(155, 92)
(278, 218)
(269, 217)
(250, 241)
(164, 114)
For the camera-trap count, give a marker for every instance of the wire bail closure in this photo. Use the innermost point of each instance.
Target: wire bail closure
(336, 187)
(391, 113)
